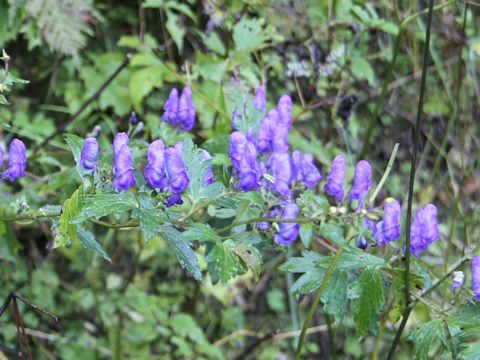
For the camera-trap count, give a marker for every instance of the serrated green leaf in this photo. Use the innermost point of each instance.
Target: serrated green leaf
(332, 232)
(249, 35)
(202, 233)
(176, 29)
(142, 82)
(100, 205)
(150, 220)
(249, 254)
(370, 299)
(306, 234)
(334, 296)
(196, 169)
(308, 282)
(66, 231)
(424, 337)
(75, 143)
(222, 262)
(182, 250)
(87, 239)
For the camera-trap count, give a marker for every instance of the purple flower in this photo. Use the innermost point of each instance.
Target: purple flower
(209, 177)
(133, 118)
(122, 163)
(303, 169)
(284, 107)
(458, 280)
(288, 231)
(17, 160)
(244, 160)
(476, 277)
(388, 229)
(281, 169)
(370, 225)
(264, 225)
(171, 108)
(186, 110)
(362, 243)
(260, 100)
(2, 157)
(89, 156)
(265, 131)
(178, 179)
(335, 178)
(279, 136)
(424, 229)
(155, 169)
(361, 182)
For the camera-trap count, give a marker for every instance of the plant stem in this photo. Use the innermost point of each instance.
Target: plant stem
(385, 174)
(299, 220)
(316, 301)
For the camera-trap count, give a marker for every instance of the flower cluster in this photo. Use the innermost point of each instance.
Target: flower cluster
(180, 111)
(165, 168)
(17, 160)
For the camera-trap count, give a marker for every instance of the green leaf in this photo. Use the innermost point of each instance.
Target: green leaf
(100, 205)
(75, 143)
(87, 239)
(248, 253)
(150, 220)
(3, 100)
(306, 234)
(248, 35)
(175, 29)
(334, 296)
(424, 337)
(142, 82)
(308, 282)
(223, 262)
(362, 69)
(196, 169)
(66, 231)
(369, 299)
(182, 250)
(202, 233)
(332, 232)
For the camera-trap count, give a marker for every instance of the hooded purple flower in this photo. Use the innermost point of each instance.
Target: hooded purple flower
(244, 159)
(303, 169)
(458, 280)
(260, 100)
(424, 229)
(89, 156)
(186, 110)
(335, 178)
(155, 169)
(288, 231)
(370, 225)
(171, 108)
(284, 107)
(362, 180)
(264, 225)
(2, 157)
(122, 163)
(388, 229)
(264, 144)
(281, 169)
(476, 277)
(362, 243)
(178, 179)
(133, 118)
(17, 160)
(209, 177)
(279, 137)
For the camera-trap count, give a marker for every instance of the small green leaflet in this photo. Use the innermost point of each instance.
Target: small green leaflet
(66, 231)
(100, 205)
(425, 336)
(87, 239)
(182, 250)
(332, 232)
(334, 296)
(368, 300)
(306, 234)
(150, 220)
(223, 262)
(201, 233)
(248, 35)
(76, 143)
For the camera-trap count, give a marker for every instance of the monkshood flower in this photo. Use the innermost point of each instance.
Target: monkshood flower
(133, 118)
(171, 108)
(388, 229)
(186, 110)
(280, 167)
(284, 108)
(424, 229)
(17, 160)
(178, 179)
(334, 185)
(288, 231)
(243, 155)
(265, 132)
(362, 180)
(362, 243)
(238, 142)
(264, 225)
(155, 169)
(260, 100)
(122, 163)
(458, 280)
(304, 169)
(89, 156)
(476, 277)
(279, 137)
(209, 177)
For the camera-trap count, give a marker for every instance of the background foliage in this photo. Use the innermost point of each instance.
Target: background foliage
(333, 58)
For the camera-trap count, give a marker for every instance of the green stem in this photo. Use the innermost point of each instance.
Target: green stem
(385, 174)
(316, 301)
(299, 220)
